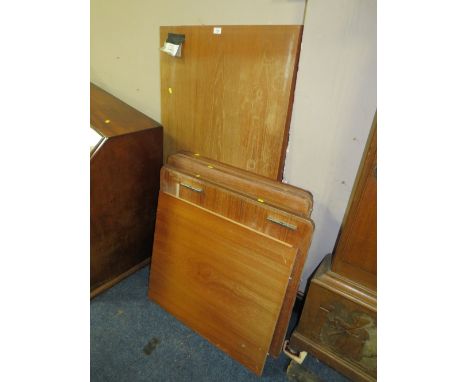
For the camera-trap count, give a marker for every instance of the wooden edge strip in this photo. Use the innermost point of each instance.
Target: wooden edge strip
(112, 282)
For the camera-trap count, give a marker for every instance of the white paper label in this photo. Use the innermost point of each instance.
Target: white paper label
(217, 30)
(171, 49)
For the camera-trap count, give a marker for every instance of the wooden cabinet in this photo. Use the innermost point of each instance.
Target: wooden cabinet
(125, 167)
(338, 323)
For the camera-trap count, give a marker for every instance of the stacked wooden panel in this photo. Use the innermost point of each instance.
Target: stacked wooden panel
(228, 254)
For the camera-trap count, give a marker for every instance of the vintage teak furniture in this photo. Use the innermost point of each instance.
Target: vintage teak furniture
(229, 96)
(125, 167)
(227, 259)
(338, 323)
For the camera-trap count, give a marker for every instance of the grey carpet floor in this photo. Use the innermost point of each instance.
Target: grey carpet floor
(133, 339)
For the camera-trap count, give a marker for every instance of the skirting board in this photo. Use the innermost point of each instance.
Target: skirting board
(119, 278)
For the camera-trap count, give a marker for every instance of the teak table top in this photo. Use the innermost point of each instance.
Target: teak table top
(263, 216)
(224, 280)
(229, 96)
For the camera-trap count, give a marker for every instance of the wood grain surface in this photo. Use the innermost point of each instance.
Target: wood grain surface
(285, 196)
(222, 279)
(355, 255)
(111, 117)
(228, 97)
(236, 206)
(338, 324)
(124, 183)
(261, 217)
(340, 332)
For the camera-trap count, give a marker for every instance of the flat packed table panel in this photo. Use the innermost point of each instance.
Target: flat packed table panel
(260, 216)
(229, 96)
(222, 279)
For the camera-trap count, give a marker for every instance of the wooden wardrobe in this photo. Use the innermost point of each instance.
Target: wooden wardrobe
(338, 323)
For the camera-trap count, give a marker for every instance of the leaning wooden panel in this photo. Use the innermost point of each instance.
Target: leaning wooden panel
(260, 216)
(229, 96)
(285, 196)
(222, 279)
(277, 223)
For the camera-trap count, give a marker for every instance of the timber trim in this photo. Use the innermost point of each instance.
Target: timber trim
(108, 284)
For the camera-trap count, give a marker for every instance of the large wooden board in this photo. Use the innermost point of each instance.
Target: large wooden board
(222, 279)
(261, 217)
(229, 96)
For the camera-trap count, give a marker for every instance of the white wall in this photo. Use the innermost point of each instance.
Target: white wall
(335, 93)
(125, 38)
(335, 101)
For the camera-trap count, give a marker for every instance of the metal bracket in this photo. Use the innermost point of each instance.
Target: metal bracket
(282, 223)
(191, 187)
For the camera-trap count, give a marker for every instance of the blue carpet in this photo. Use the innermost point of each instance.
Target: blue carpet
(133, 339)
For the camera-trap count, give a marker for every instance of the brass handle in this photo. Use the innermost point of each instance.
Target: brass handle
(191, 187)
(282, 223)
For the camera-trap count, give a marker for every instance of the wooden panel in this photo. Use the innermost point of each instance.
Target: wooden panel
(285, 196)
(124, 186)
(111, 116)
(356, 251)
(253, 214)
(230, 94)
(236, 206)
(222, 279)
